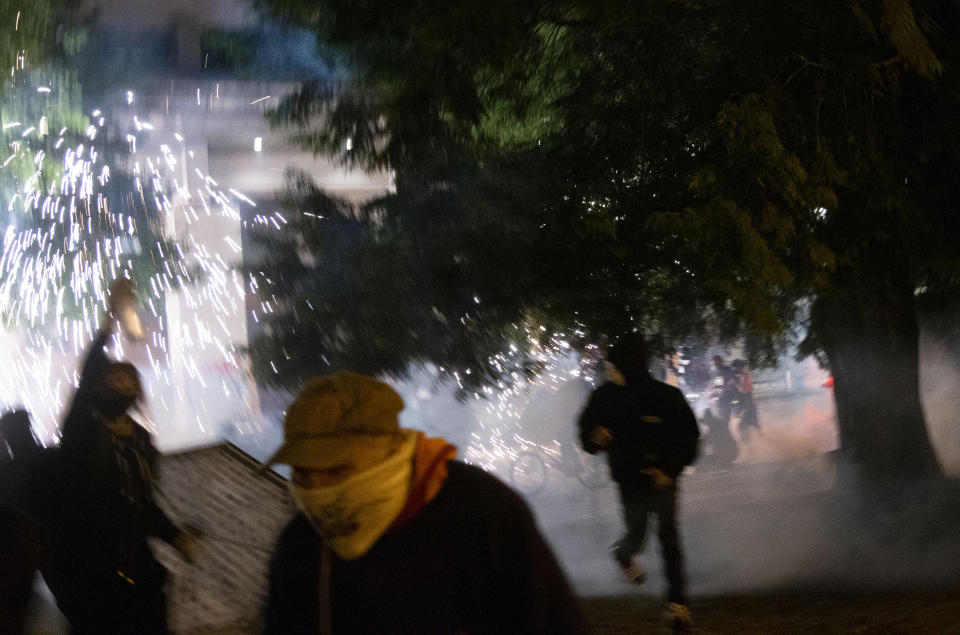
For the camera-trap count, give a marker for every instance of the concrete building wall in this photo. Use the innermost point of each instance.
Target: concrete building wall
(215, 129)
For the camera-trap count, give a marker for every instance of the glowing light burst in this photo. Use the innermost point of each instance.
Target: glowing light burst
(510, 416)
(68, 237)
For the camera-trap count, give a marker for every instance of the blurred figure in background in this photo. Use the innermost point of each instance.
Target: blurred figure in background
(743, 401)
(697, 375)
(724, 388)
(103, 574)
(649, 434)
(394, 536)
(671, 370)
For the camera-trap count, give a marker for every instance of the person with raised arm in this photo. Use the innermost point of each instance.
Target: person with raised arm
(103, 574)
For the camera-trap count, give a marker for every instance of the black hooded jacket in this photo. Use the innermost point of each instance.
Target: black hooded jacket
(104, 488)
(471, 561)
(652, 426)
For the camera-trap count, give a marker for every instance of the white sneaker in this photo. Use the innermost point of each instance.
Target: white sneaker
(630, 567)
(635, 573)
(679, 616)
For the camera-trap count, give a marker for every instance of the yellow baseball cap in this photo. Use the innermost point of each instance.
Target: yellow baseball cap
(334, 414)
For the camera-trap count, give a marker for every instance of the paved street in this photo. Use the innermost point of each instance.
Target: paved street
(770, 546)
(745, 527)
(762, 561)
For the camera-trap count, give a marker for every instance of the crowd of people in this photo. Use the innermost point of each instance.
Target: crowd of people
(393, 534)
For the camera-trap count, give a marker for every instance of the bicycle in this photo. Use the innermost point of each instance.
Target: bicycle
(529, 470)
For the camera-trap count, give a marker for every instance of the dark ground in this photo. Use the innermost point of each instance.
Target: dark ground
(912, 585)
(892, 612)
(881, 613)
(810, 563)
(771, 547)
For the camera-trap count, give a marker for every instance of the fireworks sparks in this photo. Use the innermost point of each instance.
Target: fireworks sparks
(503, 413)
(80, 213)
(80, 216)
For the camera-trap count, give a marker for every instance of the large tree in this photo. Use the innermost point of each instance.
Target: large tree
(681, 166)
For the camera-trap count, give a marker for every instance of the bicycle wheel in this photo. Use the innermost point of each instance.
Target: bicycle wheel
(593, 472)
(528, 473)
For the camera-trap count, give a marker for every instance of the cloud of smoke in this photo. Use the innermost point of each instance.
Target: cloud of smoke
(777, 518)
(939, 388)
(774, 520)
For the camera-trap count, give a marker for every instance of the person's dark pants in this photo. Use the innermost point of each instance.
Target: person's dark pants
(638, 504)
(748, 415)
(106, 606)
(724, 409)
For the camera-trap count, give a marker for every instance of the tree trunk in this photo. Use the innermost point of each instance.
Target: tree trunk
(870, 335)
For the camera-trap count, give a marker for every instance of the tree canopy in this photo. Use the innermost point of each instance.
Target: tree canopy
(583, 168)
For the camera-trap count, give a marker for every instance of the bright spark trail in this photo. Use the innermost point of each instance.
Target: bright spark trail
(81, 213)
(72, 229)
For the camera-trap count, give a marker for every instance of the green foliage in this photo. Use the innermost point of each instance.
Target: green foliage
(265, 50)
(233, 50)
(23, 108)
(690, 168)
(65, 233)
(911, 46)
(40, 42)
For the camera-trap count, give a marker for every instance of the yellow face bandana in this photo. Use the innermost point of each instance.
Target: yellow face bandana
(352, 515)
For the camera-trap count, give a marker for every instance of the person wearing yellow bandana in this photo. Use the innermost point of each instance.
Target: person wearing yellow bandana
(395, 536)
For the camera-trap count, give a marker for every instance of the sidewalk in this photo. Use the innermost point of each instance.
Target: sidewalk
(819, 611)
(770, 548)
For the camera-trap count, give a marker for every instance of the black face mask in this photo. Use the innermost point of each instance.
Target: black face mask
(117, 390)
(112, 406)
